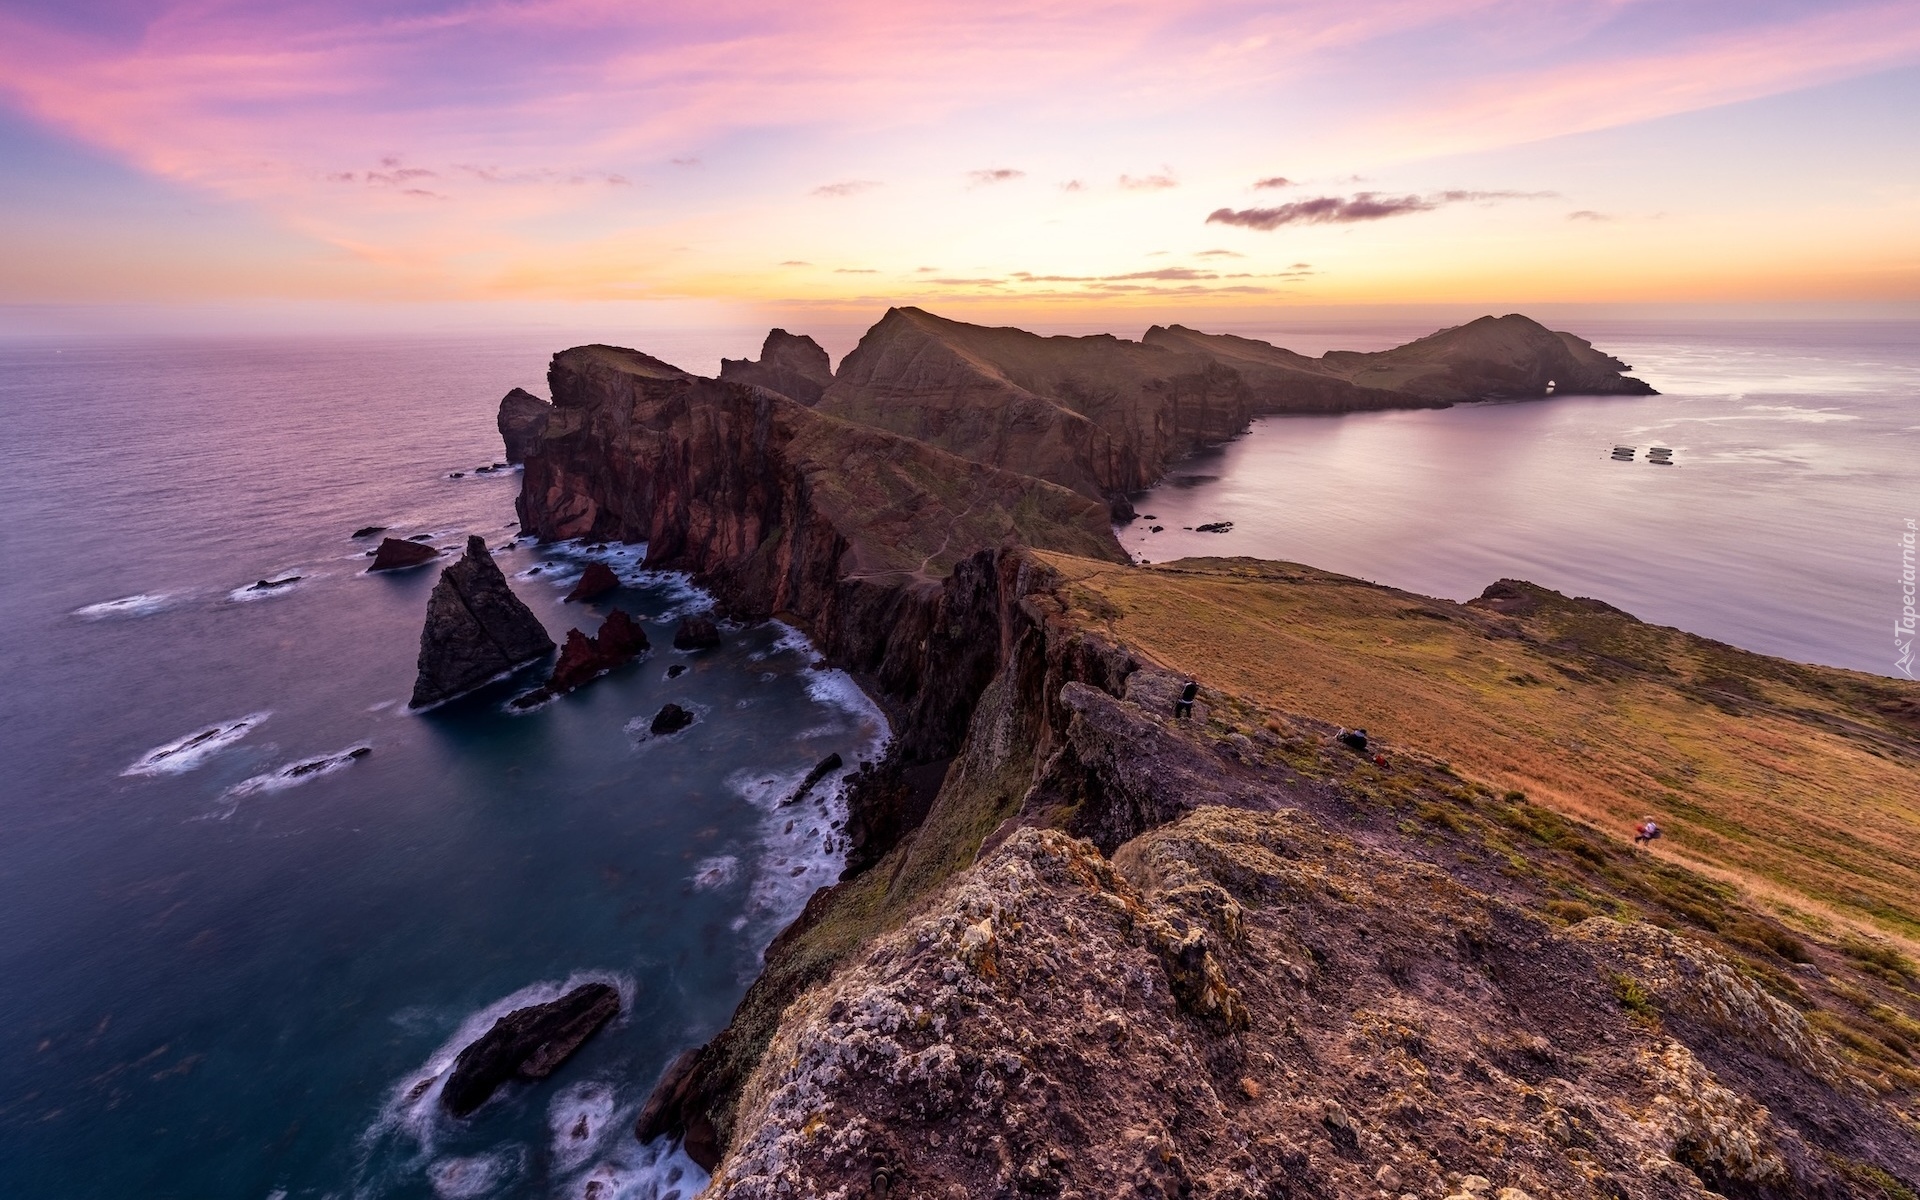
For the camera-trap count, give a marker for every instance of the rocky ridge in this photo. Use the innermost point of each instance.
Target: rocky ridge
(792, 364)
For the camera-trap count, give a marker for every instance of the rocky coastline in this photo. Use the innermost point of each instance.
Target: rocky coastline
(1083, 948)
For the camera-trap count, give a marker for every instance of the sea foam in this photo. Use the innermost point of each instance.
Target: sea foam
(186, 753)
(143, 605)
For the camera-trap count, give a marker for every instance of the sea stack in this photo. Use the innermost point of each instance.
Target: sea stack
(523, 418)
(476, 629)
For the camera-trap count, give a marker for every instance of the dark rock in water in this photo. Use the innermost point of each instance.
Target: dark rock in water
(662, 1113)
(456, 474)
(395, 554)
(792, 364)
(268, 585)
(1157, 529)
(523, 418)
(367, 531)
(583, 658)
(483, 470)
(598, 581)
(676, 670)
(1214, 527)
(671, 719)
(476, 629)
(527, 1043)
(697, 633)
(825, 767)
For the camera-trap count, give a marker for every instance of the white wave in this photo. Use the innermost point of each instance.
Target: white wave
(476, 1175)
(579, 1118)
(632, 1171)
(718, 871)
(184, 754)
(788, 641)
(295, 773)
(143, 605)
(837, 689)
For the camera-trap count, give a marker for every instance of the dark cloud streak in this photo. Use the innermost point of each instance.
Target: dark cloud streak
(1362, 206)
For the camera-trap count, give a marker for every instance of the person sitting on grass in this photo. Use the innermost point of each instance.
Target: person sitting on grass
(1647, 830)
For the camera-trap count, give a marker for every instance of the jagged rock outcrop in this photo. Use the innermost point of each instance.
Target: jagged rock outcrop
(596, 581)
(523, 418)
(394, 555)
(1490, 358)
(1101, 415)
(792, 364)
(528, 1043)
(476, 629)
(584, 659)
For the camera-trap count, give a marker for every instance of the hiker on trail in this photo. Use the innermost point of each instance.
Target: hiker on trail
(1645, 831)
(1183, 707)
(1353, 739)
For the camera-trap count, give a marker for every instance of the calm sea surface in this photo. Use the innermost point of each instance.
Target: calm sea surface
(217, 980)
(1777, 527)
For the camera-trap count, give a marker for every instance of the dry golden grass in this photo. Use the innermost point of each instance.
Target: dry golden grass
(1801, 784)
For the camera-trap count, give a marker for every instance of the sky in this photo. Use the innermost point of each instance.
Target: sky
(993, 160)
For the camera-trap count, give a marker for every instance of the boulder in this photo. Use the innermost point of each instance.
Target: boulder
(522, 420)
(671, 719)
(528, 1043)
(598, 581)
(697, 633)
(394, 555)
(476, 629)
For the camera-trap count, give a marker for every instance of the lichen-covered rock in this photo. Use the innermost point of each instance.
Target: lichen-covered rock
(1240, 1004)
(476, 629)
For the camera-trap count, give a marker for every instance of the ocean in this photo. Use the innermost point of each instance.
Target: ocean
(224, 978)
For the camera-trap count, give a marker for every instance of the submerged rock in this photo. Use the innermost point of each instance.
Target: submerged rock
(476, 629)
(598, 581)
(367, 531)
(394, 555)
(697, 633)
(269, 585)
(523, 418)
(527, 1043)
(670, 719)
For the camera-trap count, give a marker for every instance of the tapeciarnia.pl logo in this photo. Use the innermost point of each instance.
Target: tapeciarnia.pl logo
(1903, 626)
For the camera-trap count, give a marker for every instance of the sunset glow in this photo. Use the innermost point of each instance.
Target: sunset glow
(991, 159)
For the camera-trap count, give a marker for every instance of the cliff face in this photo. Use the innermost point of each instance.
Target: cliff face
(792, 364)
(773, 504)
(1492, 358)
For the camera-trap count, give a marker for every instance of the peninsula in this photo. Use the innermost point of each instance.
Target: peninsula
(1085, 947)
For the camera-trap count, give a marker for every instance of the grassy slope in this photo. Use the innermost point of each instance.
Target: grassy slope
(1799, 783)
